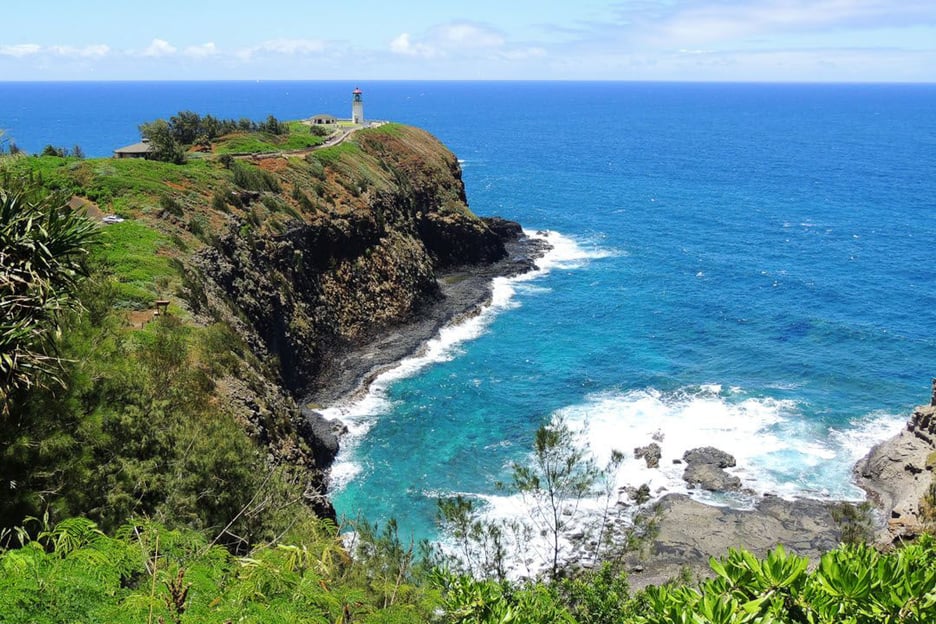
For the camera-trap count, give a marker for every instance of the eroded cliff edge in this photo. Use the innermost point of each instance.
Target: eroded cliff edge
(377, 222)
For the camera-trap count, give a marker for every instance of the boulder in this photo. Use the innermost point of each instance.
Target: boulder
(710, 477)
(705, 469)
(650, 453)
(709, 455)
(321, 434)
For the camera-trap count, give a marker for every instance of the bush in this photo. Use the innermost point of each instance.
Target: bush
(253, 178)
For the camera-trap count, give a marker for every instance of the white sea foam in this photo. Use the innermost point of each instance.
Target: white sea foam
(777, 449)
(359, 415)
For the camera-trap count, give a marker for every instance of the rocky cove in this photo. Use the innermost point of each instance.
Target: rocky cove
(390, 256)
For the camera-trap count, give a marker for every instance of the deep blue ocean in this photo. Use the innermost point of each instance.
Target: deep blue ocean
(747, 266)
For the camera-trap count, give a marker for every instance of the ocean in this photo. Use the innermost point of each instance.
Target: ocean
(747, 266)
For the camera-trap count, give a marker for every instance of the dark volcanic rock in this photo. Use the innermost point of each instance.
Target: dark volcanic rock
(710, 477)
(689, 533)
(709, 455)
(321, 434)
(650, 453)
(705, 469)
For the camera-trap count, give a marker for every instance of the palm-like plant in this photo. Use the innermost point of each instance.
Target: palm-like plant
(42, 246)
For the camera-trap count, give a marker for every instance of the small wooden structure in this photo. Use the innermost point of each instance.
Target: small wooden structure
(162, 307)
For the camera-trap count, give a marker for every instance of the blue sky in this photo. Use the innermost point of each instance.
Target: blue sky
(715, 40)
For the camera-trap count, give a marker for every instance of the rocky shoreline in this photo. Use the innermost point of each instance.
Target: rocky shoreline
(895, 474)
(464, 291)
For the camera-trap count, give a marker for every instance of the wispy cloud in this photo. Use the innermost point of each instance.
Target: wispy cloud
(688, 22)
(287, 47)
(462, 39)
(19, 50)
(22, 50)
(95, 51)
(404, 45)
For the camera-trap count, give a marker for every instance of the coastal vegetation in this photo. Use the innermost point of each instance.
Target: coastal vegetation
(73, 572)
(154, 467)
(171, 140)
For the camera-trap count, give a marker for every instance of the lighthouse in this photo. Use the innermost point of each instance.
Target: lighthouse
(357, 107)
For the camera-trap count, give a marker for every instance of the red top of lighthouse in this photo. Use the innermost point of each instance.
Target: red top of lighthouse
(357, 91)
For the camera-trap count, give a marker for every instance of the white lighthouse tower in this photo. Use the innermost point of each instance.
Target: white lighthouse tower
(357, 107)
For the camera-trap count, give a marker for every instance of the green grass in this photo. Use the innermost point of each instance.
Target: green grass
(334, 154)
(392, 129)
(118, 185)
(251, 143)
(131, 250)
(302, 141)
(299, 137)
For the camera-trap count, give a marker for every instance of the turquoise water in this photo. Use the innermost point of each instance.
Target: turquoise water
(747, 266)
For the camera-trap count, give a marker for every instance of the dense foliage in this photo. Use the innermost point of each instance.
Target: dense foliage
(74, 573)
(43, 245)
(169, 139)
(146, 573)
(109, 420)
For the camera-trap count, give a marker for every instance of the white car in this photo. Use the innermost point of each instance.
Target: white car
(112, 219)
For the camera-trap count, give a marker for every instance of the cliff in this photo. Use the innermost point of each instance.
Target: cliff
(366, 260)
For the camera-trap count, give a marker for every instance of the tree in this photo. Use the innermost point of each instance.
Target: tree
(163, 145)
(481, 548)
(51, 150)
(560, 476)
(42, 247)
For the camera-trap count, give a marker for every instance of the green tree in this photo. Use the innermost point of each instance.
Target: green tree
(481, 545)
(559, 477)
(42, 249)
(163, 144)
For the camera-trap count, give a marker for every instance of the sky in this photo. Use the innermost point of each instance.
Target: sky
(672, 40)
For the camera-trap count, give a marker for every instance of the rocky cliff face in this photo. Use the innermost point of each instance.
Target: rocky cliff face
(898, 473)
(389, 211)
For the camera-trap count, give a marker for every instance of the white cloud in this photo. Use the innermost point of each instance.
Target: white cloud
(201, 51)
(94, 51)
(404, 45)
(287, 47)
(20, 50)
(460, 39)
(159, 47)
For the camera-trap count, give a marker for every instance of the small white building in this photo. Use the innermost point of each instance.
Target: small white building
(357, 107)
